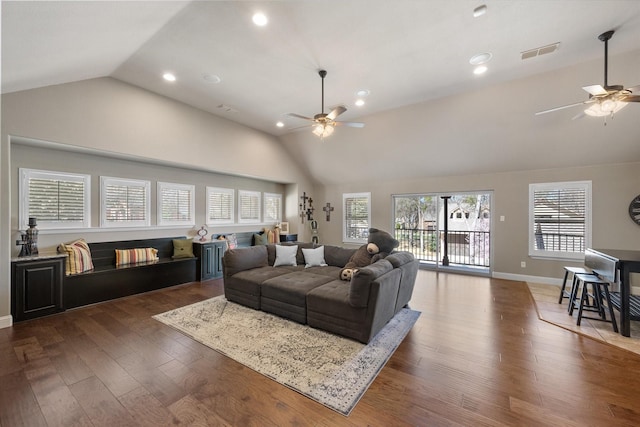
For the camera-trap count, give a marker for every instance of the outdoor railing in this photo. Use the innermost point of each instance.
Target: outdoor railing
(471, 248)
(559, 242)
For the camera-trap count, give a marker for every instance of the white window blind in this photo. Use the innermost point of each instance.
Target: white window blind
(249, 206)
(220, 205)
(560, 219)
(55, 199)
(124, 202)
(272, 207)
(356, 218)
(175, 204)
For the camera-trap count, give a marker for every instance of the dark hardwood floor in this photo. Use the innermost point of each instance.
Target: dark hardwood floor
(477, 356)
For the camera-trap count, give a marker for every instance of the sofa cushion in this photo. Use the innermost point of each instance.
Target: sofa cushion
(330, 271)
(293, 287)
(237, 260)
(314, 257)
(337, 256)
(285, 255)
(361, 281)
(398, 259)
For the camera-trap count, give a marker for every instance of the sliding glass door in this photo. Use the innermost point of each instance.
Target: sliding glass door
(451, 231)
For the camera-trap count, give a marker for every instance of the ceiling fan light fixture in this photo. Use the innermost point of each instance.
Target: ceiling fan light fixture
(323, 130)
(608, 107)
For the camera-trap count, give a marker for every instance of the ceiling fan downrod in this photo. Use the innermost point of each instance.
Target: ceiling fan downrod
(322, 74)
(605, 38)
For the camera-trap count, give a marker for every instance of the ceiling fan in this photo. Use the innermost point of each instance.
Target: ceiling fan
(324, 124)
(605, 100)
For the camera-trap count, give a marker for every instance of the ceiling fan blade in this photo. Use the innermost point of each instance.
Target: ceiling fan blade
(595, 90)
(336, 112)
(350, 124)
(564, 106)
(298, 116)
(630, 98)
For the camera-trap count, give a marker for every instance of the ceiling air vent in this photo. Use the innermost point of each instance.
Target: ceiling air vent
(531, 53)
(226, 109)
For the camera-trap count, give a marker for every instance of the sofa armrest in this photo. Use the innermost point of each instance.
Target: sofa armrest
(241, 259)
(361, 282)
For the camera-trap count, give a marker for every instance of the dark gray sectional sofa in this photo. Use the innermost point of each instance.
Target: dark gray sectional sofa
(316, 296)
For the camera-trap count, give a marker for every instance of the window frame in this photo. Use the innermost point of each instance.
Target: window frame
(253, 194)
(585, 186)
(219, 190)
(345, 197)
(265, 216)
(161, 187)
(146, 185)
(26, 174)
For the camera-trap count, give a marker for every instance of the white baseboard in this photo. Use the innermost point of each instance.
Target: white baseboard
(524, 278)
(6, 321)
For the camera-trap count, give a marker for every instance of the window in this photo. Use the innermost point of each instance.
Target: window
(175, 204)
(272, 207)
(357, 217)
(248, 206)
(220, 204)
(559, 219)
(55, 199)
(124, 202)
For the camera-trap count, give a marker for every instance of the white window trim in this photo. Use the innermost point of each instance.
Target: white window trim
(257, 194)
(346, 196)
(230, 191)
(279, 215)
(23, 191)
(161, 186)
(559, 255)
(105, 181)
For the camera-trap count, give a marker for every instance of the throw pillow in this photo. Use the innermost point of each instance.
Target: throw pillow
(232, 240)
(286, 255)
(314, 257)
(260, 239)
(132, 256)
(182, 248)
(78, 256)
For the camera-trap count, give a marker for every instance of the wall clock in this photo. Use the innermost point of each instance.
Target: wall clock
(634, 210)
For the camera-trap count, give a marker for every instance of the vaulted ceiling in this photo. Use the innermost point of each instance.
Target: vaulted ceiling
(411, 56)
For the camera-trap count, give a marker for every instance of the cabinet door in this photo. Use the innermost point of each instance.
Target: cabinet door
(207, 259)
(36, 288)
(220, 248)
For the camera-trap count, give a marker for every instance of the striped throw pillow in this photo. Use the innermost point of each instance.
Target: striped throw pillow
(78, 256)
(132, 256)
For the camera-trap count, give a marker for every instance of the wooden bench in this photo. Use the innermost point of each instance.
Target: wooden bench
(108, 281)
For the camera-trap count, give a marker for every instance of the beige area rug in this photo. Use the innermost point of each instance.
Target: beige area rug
(546, 300)
(327, 368)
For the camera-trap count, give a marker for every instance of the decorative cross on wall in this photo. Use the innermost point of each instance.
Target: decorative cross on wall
(328, 209)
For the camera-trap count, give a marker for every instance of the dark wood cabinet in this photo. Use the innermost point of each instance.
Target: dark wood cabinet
(209, 265)
(36, 287)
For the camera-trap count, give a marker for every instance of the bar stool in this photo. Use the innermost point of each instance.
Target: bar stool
(599, 288)
(571, 294)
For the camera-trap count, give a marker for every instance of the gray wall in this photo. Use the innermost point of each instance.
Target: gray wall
(33, 157)
(113, 117)
(613, 188)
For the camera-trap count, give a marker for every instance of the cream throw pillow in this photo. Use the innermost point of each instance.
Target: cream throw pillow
(286, 255)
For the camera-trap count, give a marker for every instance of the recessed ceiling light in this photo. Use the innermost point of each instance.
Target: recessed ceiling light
(280, 124)
(359, 102)
(169, 77)
(362, 93)
(480, 69)
(480, 10)
(211, 78)
(260, 19)
(480, 58)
